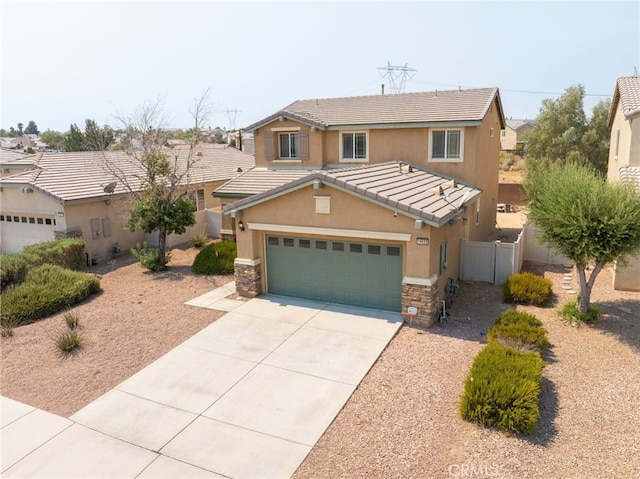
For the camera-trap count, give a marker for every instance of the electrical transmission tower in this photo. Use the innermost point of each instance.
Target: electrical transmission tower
(397, 76)
(232, 114)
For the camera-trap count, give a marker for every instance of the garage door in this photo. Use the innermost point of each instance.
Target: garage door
(347, 272)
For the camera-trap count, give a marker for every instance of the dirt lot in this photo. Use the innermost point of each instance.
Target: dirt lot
(402, 421)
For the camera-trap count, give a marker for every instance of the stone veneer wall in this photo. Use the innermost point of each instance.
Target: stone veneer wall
(248, 279)
(422, 297)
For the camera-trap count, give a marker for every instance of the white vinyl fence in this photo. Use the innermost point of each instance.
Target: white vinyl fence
(494, 261)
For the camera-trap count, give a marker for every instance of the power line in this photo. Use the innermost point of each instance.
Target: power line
(232, 114)
(397, 76)
(534, 92)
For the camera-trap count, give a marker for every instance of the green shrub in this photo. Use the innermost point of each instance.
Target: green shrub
(67, 253)
(72, 320)
(13, 270)
(68, 341)
(198, 240)
(46, 290)
(520, 331)
(570, 313)
(149, 256)
(506, 161)
(216, 258)
(526, 288)
(502, 390)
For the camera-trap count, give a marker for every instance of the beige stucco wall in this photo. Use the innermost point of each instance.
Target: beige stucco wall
(511, 136)
(626, 144)
(349, 212)
(79, 216)
(627, 278)
(479, 166)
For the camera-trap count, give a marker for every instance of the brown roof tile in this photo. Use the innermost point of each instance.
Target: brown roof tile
(407, 108)
(406, 188)
(82, 175)
(627, 94)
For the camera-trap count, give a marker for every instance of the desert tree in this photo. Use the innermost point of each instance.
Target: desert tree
(563, 133)
(585, 218)
(158, 178)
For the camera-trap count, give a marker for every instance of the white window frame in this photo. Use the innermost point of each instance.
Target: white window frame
(289, 134)
(446, 159)
(198, 198)
(352, 134)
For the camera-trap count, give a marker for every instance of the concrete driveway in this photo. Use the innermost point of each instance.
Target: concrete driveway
(248, 396)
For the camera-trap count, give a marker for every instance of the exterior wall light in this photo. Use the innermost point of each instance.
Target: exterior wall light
(240, 225)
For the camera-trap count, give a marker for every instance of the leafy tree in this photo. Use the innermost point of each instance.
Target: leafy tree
(32, 128)
(53, 139)
(585, 218)
(20, 132)
(160, 190)
(74, 140)
(3, 133)
(563, 133)
(94, 138)
(12, 132)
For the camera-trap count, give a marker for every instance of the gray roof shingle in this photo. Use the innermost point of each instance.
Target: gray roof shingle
(405, 109)
(408, 189)
(82, 175)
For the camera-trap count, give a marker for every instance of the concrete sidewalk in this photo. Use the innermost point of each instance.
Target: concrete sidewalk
(248, 396)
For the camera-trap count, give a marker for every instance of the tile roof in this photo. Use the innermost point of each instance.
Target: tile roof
(12, 156)
(83, 175)
(405, 109)
(258, 180)
(408, 189)
(627, 94)
(516, 124)
(631, 174)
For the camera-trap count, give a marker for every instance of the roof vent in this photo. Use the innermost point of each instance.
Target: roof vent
(110, 188)
(26, 190)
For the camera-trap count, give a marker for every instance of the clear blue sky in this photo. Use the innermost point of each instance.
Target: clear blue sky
(63, 62)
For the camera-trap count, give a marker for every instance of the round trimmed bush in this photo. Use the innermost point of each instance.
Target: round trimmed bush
(526, 288)
(216, 258)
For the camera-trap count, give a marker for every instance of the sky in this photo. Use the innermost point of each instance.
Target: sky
(64, 62)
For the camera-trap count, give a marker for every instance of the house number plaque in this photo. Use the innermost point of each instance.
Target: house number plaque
(422, 241)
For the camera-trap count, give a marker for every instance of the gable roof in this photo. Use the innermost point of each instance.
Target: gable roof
(517, 124)
(78, 176)
(627, 94)
(12, 156)
(407, 189)
(406, 109)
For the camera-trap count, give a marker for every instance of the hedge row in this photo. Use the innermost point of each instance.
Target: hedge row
(47, 289)
(66, 253)
(502, 389)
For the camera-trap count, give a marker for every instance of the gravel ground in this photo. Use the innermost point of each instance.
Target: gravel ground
(403, 421)
(138, 317)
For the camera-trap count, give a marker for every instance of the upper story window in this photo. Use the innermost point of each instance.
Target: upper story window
(354, 146)
(446, 145)
(286, 144)
(289, 146)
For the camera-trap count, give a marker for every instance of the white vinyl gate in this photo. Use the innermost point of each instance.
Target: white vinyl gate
(490, 262)
(493, 262)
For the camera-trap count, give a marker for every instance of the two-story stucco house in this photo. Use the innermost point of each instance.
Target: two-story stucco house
(364, 200)
(54, 195)
(624, 159)
(512, 137)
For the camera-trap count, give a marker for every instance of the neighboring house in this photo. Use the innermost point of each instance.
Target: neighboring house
(513, 136)
(364, 200)
(624, 159)
(54, 195)
(243, 140)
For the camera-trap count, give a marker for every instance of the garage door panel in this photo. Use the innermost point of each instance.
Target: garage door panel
(348, 272)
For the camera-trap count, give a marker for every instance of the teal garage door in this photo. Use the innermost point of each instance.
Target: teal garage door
(347, 272)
